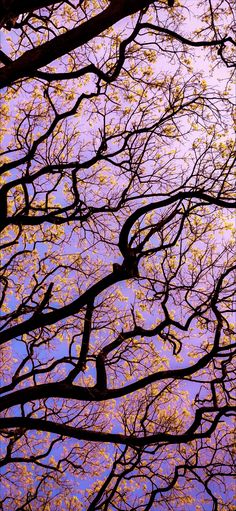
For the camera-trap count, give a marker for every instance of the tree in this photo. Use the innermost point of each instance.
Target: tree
(117, 200)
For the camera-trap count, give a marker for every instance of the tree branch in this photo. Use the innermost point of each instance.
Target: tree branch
(31, 60)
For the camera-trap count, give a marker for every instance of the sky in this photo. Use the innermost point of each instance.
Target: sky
(80, 244)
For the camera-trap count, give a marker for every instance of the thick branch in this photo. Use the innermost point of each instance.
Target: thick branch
(125, 231)
(16, 7)
(39, 321)
(43, 55)
(62, 390)
(80, 366)
(98, 436)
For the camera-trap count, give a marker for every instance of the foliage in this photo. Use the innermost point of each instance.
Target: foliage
(117, 197)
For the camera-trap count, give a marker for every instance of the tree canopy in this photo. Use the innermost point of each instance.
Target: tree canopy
(117, 259)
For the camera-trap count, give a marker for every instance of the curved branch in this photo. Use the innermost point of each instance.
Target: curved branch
(98, 436)
(184, 40)
(124, 233)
